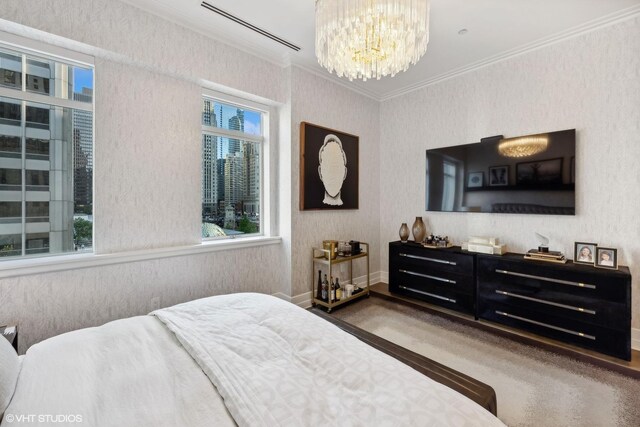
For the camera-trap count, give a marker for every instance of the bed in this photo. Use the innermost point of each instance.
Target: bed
(241, 359)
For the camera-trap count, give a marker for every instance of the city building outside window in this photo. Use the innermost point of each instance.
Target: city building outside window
(46, 154)
(232, 168)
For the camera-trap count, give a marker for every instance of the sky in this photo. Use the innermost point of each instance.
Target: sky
(82, 78)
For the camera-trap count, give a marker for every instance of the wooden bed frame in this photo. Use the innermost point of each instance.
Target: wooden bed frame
(475, 390)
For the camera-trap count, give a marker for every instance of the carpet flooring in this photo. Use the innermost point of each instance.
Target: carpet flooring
(534, 387)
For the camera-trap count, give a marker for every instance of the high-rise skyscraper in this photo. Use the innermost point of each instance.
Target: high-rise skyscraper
(209, 162)
(236, 123)
(83, 153)
(234, 182)
(251, 162)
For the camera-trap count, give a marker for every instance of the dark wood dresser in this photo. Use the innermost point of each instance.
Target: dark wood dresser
(445, 277)
(577, 304)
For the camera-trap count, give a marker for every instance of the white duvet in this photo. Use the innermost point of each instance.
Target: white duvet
(131, 372)
(276, 364)
(249, 359)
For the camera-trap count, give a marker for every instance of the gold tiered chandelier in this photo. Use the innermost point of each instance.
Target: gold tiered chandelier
(365, 39)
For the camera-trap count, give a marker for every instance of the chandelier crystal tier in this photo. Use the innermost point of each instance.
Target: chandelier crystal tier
(523, 146)
(366, 39)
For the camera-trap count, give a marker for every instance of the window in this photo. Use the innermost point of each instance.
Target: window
(46, 154)
(232, 144)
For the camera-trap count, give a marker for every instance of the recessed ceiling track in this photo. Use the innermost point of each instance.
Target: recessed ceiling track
(249, 26)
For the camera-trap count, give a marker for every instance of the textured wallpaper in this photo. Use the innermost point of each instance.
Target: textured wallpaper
(126, 33)
(318, 101)
(590, 83)
(147, 170)
(147, 174)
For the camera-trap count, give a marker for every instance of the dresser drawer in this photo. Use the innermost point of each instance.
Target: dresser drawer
(609, 341)
(442, 297)
(580, 308)
(434, 259)
(423, 276)
(529, 274)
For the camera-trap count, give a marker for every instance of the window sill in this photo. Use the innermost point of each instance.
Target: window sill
(22, 267)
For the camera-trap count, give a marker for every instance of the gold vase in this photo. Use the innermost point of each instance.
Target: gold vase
(419, 230)
(404, 233)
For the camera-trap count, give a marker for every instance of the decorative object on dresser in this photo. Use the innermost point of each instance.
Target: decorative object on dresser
(432, 241)
(575, 304)
(484, 245)
(404, 233)
(607, 258)
(584, 253)
(419, 230)
(328, 168)
(546, 256)
(443, 276)
(332, 292)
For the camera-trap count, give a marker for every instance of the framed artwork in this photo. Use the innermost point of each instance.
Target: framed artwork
(475, 179)
(584, 253)
(498, 176)
(328, 168)
(541, 172)
(607, 258)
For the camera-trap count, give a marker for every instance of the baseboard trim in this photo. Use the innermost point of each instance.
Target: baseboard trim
(304, 300)
(282, 296)
(635, 338)
(384, 277)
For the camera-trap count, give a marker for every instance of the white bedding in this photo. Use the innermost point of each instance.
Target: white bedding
(130, 372)
(277, 364)
(272, 362)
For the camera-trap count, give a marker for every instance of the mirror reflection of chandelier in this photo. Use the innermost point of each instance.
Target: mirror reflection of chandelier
(365, 39)
(523, 146)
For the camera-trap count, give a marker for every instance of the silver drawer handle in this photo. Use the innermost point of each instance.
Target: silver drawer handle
(441, 261)
(428, 294)
(547, 279)
(546, 325)
(440, 279)
(555, 304)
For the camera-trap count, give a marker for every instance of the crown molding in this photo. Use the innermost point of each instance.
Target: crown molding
(573, 32)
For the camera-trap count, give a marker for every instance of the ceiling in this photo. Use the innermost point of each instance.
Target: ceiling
(496, 29)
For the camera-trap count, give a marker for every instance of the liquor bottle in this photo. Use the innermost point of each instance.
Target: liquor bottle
(339, 292)
(333, 290)
(325, 289)
(319, 289)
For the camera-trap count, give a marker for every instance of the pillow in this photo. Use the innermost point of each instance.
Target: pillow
(9, 369)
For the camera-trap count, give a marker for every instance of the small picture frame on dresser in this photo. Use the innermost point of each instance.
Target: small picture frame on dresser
(584, 253)
(607, 258)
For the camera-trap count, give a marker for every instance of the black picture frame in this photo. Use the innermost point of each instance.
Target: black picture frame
(315, 142)
(499, 176)
(539, 172)
(611, 263)
(580, 258)
(475, 179)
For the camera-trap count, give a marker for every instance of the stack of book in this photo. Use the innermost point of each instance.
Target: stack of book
(550, 256)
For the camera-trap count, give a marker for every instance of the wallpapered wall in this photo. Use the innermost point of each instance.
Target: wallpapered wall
(318, 101)
(147, 173)
(590, 83)
(147, 177)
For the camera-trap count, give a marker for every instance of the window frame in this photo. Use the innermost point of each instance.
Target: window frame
(28, 49)
(263, 141)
